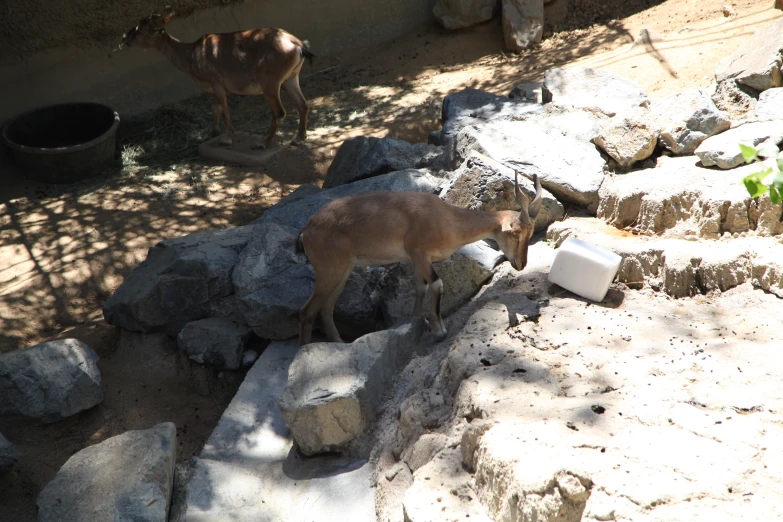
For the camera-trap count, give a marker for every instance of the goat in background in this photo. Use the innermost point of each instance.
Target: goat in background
(257, 61)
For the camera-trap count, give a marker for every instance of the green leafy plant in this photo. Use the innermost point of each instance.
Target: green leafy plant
(769, 176)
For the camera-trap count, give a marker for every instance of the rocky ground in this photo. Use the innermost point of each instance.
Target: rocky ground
(632, 397)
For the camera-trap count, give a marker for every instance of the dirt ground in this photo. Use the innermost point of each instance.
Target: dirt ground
(64, 250)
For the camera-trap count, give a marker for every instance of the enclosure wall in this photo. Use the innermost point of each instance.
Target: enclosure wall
(65, 50)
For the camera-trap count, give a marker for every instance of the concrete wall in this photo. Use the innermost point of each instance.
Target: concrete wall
(44, 66)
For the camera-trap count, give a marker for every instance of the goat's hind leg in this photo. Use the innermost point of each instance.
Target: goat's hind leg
(292, 86)
(272, 96)
(329, 283)
(222, 99)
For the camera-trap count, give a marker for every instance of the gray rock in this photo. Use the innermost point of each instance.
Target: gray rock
(686, 119)
(574, 177)
(770, 105)
(421, 412)
(474, 107)
(757, 61)
(681, 199)
(334, 389)
(529, 92)
(216, 341)
(8, 455)
(127, 477)
(298, 212)
(723, 149)
(482, 183)
(463, 275)
(456, 14)
(301, 192)
(555, 11)
(182, 280)
(592, 88)
(272, 282)
(628, 137)
(50, 381)
(360, 158)
(424, 449)
(523, 23)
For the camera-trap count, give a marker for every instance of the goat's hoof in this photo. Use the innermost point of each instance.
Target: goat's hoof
(260, 146)
(226, 142)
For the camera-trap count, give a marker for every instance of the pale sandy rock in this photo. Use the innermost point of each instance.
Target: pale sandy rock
(686, 119)
(523, 23)
(456, 14)
(723, 149)
(592, 88)
(758, 59)
(628, 137)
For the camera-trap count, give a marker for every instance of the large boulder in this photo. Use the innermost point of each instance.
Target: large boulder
(592, 88)
(456, 14)
(296, 213)
(50, 381)
(272, 282)
(182, 280)
(360, 158)
(335, 389)
(628, 137)
(572, 177)
(475, 107)
(127, 477)
(757, 62)
(463, 275)
(217, 341)
(8, 455)
(770, 105)
(723, 149)
(482, 183)
(523, 23)
(686, 119)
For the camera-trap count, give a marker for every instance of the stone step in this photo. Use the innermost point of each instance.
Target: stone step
(680, 267)
(248, 469)
(679, 198)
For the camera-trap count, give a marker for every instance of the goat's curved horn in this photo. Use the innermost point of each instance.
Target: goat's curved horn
(535, 206)
(521, 198)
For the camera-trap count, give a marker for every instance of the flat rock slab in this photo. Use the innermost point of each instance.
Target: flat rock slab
(723, 149)
(249, 471)
(50, 381)
(334, 389)
(127, 477)
(757, 61)
(678, 198)
(592, 88)
(243, 151)
(682, 268)
(8, 455)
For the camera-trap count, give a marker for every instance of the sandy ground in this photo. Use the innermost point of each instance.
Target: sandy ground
(64, 250)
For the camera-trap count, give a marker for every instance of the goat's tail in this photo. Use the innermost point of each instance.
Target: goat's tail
(305, 49)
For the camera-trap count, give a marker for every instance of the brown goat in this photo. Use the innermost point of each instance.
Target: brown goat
(379, 228)
(248, 62)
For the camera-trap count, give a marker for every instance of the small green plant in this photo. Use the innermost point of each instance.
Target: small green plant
(769, 176)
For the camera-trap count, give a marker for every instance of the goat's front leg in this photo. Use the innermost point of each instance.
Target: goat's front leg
(278, 114)
(329, 283)
(222, 99)
(428, 279)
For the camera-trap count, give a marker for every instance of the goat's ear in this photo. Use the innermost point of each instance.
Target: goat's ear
(535, 206)
(163, 17)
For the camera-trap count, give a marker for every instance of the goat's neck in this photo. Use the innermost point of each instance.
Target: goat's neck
(178, 53)
(475, 225)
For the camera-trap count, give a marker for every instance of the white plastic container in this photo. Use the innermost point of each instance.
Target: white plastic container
(584, 269)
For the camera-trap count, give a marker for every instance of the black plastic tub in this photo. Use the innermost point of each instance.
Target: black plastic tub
(63, 143)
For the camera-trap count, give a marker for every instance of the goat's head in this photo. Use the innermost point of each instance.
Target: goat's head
(150, 30)
(517, 231)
